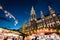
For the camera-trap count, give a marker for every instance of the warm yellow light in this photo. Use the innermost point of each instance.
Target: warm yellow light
(55, 30)
(28, 32)
(51, 30)
(31, 32)
(37, 30)
(47, 30)
(25, 33)
(41, 33)
(40, 29)
(34, 30)
(59, 31)
(43, 28)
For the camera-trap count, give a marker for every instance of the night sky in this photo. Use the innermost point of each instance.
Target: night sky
(20, 9)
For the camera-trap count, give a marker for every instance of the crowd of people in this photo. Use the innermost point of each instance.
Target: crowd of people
(3, 37)
(43, 37)
(13, 38)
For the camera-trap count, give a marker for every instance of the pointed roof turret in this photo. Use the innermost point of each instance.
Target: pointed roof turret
(42, 16)
(32, 11)
(51, 10)
(33, 14)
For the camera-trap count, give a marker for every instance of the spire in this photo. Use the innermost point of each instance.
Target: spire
(51, 10)
(32, 11)
(42, 16)
(33, 15)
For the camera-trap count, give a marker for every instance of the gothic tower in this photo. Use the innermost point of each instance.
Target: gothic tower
(33, 14)
(42, 16)
(33, 18)
(55, 20)
(51, 10)
(43, 19)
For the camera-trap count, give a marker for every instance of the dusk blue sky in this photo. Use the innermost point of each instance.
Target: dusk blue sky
(21, 10)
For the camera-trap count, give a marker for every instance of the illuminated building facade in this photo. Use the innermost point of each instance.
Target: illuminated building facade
(50, 21)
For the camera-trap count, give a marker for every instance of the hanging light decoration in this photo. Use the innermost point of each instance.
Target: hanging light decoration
(55, 30)
(51, 30)
(31, 32)
(35, 31)
(59, 31)
(38, 31)
(8, 14)
(28, 33)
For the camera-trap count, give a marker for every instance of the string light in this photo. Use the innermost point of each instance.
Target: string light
(1, 7)
(8, 14)
(16, 22)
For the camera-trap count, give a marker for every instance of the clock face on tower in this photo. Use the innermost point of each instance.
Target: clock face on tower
(54, 15)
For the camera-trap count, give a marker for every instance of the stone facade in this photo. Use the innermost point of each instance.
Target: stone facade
(51, 20)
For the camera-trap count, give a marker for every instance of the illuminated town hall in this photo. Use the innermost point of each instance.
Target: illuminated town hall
(29, 19)
(44, 24)
(43, 28)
